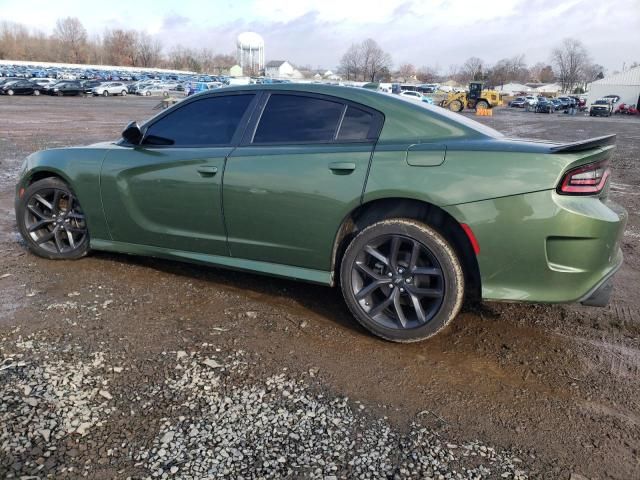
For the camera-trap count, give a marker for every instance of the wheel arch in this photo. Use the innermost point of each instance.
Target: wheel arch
(428, 213)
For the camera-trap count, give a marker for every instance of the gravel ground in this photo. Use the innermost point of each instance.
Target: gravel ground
(216, 420)
(123, 367)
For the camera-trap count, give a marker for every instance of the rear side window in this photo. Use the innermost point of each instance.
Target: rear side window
(210, 121)
(292, 118)
(356, 124)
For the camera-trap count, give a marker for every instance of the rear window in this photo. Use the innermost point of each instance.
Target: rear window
(356, 124)
(294, 119)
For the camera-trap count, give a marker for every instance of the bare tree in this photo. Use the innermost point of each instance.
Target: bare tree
(120, 47)
(427, 74)
(406, 72)
(472, 69)
(512, 69)
(222, 63)
(376, 62)
(148, 50)
(351, 63)
(365, 61)
(73, 39)
(570, 59)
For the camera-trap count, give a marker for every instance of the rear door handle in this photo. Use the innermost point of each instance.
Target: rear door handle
(207, 171)
(342, 167)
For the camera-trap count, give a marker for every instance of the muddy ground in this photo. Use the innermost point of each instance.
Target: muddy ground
(557, 385)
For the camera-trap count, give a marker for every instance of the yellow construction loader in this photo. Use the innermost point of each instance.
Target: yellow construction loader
(476, 98)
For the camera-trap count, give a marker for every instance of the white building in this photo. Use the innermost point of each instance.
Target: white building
(250, 52)
(281, 69)
(513, 88)
(625, 84)
(554, 88)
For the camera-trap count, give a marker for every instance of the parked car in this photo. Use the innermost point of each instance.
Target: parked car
(556, 103)
(66, 88)
(89, 85)
(155, 89)
(412, 94)
(518, 102)
(544, 105)
(110, 88)
(20, 87)
(340, 186)
(601, 108)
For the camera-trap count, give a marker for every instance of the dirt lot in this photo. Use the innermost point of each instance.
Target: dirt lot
(116, 366)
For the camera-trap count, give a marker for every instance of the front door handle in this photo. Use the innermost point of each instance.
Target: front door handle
(342, 167)
(207, 171)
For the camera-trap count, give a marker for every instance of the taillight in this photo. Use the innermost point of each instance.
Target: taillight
(586, 180)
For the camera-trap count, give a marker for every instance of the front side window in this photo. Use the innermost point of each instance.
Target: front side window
(294, 119)
(209, 121)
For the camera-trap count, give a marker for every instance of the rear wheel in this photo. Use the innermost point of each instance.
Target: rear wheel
(402, 280)
(10, 92)
(105, 93)
(36, 92)
(123, 93)
(51, 220)
(456, 106)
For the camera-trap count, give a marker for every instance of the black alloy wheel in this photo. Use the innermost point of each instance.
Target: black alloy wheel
(402, 280)
(51, 220)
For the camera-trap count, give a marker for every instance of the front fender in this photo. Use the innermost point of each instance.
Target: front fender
(80, 169)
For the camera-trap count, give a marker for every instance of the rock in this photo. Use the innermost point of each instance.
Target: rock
(83, 427)
(45, 433)
(252, 315)
(180, 354)
(117, 369)
(31, 401)
(210, 362)
(105, 394)
(167, 437)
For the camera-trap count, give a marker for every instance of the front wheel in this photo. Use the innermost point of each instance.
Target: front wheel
(402, 280)
(456, 106)
(51, 220)
(482, 104)
(123, 93)
(36, 92)
(105, 94)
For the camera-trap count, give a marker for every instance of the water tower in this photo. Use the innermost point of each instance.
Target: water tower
(250, 52)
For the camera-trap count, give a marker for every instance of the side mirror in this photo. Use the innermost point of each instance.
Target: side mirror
(132, 134)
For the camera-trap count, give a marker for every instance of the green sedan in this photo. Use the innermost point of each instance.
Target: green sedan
(407, 207)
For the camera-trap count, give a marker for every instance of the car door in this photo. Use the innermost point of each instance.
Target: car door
(300, 169)
(166, 192)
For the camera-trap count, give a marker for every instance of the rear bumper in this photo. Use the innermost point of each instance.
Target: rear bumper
(546, 248)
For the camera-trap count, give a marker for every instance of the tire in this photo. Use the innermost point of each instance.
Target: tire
(51, 221)
(148, 94)
(123, 93)
(482, 104)
(456, 106)
(36, 92)
(10, 92)
(381, 289)
(105, 93)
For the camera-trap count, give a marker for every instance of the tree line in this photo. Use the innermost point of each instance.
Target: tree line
(569, 64)
(70, 43)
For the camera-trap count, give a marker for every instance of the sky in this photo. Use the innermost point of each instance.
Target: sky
(317, 32)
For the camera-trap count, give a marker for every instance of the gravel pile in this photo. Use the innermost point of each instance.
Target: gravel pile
(216, 421)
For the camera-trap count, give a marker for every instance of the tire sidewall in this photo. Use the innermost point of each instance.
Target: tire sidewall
(21, 205)
(439, 247)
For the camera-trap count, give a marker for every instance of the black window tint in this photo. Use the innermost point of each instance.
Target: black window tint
(291, 118)
(355, 125)
(210, 121)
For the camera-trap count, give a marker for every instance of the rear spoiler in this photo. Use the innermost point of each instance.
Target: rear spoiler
(585, 144)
